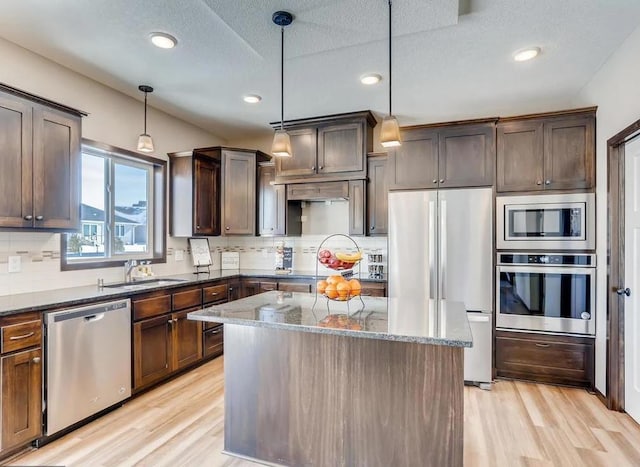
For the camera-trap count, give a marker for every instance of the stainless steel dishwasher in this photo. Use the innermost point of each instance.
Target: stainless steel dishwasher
(88, 362)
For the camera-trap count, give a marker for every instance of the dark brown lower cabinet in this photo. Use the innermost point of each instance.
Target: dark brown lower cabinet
(21, 398)
(213, 341)
(545, 358)
(152, 350)
(187, 342)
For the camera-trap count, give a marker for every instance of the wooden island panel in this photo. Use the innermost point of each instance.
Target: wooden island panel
(321, 399)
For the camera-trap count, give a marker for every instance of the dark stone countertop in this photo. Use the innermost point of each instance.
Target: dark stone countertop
(74, 296)
(373, 318)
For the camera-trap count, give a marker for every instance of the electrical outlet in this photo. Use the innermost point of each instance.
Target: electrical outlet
(15, 264)
(179, 255)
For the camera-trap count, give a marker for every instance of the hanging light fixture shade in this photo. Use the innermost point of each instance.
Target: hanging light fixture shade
(390, 130)
(281, 146)
(145, 143)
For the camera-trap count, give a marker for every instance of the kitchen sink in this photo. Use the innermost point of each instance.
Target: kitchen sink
(143, 284)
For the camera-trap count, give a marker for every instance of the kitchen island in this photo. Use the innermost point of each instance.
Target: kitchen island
(362, 385)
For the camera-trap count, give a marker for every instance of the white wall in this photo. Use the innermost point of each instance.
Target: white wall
(615, 89)
(113, 118)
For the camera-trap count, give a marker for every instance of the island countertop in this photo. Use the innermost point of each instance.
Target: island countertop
(371, 317)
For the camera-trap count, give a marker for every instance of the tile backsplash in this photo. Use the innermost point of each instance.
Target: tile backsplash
(40, 258)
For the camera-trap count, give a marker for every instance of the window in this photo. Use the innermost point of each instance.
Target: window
(122, 209)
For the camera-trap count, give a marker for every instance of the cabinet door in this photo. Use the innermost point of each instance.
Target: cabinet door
(520, 156)
(304, 287)
(414, 165)
(206, 197)
(234, 291)
(357, 208)
(187, 344)
(239, 193)
(569, 154)
(377, 191)
(152, 350)
(271, 203)
(303, 160)
(341, 148)
(21, 397)
(56, 170)
(465, 156)
(16, 196)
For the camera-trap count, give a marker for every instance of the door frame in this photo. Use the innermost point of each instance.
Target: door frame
(615, 261)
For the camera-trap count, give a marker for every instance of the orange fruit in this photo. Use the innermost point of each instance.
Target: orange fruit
(335, 279)
(321, 286)
(356, 288)
(331, 291)
(343, 289)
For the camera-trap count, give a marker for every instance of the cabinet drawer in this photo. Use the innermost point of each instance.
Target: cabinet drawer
(214, 293)
(187, 299)
(545, 359)
(321, 190)
(268, 286)
(213, 341)
(149, 307)
(21, 336)
(294, 287)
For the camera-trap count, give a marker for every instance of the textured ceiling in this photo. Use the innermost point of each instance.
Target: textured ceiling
(452, 58)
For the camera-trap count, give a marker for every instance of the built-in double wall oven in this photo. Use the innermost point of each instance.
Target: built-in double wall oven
(543, 282)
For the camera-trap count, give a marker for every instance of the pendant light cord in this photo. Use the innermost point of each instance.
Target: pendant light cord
(282, 78)
(145, 112)
(390, 58)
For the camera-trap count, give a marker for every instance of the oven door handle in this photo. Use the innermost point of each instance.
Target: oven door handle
(543, 269)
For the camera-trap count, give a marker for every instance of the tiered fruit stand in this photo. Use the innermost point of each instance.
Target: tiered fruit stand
(338, 254)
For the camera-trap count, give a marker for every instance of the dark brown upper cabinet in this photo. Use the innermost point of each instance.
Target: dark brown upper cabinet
(377, 191)
(444, 156)
(39, 163)
(357, 207)
(195, 184)
(547, 151)
(332, 147)
(276, 216)
(213, 191)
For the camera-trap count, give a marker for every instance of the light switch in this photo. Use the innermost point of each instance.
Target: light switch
(179, 255)
(15, 264)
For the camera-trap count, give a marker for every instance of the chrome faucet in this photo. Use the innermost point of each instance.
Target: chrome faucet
(128, 269)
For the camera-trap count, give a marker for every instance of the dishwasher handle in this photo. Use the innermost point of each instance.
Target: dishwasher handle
(93, 318)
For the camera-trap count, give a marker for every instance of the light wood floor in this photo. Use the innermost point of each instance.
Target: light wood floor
(515, 424)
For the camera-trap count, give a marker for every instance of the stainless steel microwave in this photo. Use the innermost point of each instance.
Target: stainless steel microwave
(546, 222)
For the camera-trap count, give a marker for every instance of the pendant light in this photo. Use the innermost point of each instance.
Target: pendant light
(281, 146)
(390, 131)
(145, 143)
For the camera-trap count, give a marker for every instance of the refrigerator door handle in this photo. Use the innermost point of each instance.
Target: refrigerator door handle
(432, 249)
(443, 249)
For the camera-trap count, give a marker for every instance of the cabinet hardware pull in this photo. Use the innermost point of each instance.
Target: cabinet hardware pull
(197, 226)
(434, 180)
(313, 167)
(24, 336)
(541, 345)
(547, 182)
(213, 294)
(36, 360)
(215, 331)
(442, 180)
(539, 182)
(28, 217)
(227, 228)
(39, 218)
(175, 320)
(373, 227)
(170, 322)
(321, 167)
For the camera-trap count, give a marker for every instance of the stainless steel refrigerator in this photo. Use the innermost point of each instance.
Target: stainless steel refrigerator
(441, 248)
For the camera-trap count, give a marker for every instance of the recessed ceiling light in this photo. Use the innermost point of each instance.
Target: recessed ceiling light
(163, 40)
(526, 54)
(371, 78)
(252, 98)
